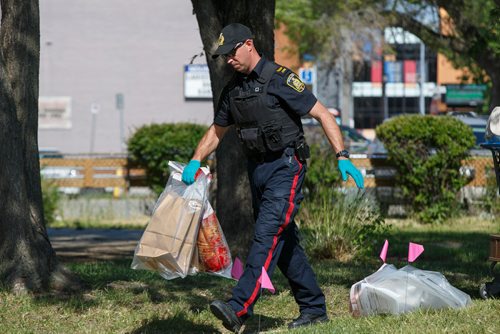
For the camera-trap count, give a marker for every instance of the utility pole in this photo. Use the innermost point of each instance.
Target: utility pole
(384, 90)
(94, 110)
(422, 78)
(120, 105)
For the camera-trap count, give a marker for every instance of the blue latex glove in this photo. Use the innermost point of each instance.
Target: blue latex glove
(190, 171)
(346, 167)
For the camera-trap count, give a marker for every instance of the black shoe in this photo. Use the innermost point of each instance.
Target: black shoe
(306, 319)
(223, 311)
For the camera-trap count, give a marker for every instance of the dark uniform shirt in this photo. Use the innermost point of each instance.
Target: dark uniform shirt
(285, 89)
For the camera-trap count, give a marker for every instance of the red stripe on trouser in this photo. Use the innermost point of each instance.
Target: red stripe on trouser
(275, 241)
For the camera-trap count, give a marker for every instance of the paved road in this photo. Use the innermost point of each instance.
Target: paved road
(73, 245)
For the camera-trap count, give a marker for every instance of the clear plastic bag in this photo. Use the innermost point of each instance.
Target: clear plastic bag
(393, 291)
(170, 242)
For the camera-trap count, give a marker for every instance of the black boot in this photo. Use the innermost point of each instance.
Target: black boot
(306, 319)
(223, 311)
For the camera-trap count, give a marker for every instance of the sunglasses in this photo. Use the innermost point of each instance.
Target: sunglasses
(232, 53)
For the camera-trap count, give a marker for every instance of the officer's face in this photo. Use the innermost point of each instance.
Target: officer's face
(239, 57)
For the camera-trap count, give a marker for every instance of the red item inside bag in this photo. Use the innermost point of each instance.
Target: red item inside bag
(212, 246)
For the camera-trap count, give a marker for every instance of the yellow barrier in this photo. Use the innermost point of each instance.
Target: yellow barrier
(119, 174)
(91, 172)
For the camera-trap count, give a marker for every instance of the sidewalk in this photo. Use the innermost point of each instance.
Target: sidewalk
(87, 245)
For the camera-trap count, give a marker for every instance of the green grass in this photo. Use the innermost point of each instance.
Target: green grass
(121, 300)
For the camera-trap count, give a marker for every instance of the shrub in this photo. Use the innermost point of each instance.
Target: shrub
(322, 174)
(153, 146)
(491, 200)
(427, 152)
(348, 227)
(50, 198)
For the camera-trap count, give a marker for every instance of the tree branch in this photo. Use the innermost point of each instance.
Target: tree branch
(429, 36)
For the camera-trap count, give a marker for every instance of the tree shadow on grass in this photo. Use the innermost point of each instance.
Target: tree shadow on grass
(117, 276)
(460, 256)
(178, 323)
(76, 301)
(259, 323)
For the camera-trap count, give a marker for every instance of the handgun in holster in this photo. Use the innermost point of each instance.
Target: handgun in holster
(302, 150)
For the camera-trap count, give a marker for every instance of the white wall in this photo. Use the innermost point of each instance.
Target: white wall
(93, 49)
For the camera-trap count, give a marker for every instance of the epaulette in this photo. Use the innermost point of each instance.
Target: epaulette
(282, 70)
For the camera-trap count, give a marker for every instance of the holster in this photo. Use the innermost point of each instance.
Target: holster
(302, 150)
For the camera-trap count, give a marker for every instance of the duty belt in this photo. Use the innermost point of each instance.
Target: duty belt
(272, 156)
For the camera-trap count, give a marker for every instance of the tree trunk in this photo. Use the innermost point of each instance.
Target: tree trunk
(234, 208)
(28, 260)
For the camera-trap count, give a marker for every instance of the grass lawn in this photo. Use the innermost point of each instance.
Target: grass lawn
(121, 300)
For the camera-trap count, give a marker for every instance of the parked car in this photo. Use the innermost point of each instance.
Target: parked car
(354, 141)
(49, 153)
(477, 124)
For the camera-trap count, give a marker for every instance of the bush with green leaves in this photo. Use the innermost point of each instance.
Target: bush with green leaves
(490, 201)
(426, 152)
(153, 146)
(50, 198)
(322, 177)
(345, 227)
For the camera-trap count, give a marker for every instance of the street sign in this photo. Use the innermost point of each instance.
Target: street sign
(307, 75)
(120, 101)
(465, 95)
(94, 108)
(197, 82)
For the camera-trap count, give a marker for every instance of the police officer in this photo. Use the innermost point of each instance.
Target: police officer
(265, 102)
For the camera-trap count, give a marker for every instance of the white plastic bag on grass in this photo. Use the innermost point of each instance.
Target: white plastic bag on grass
(393, 291)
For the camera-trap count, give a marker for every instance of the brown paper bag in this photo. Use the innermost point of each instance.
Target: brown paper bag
(169, 241)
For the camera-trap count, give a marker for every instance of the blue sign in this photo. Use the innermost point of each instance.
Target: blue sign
(306, 75)
(393, 71)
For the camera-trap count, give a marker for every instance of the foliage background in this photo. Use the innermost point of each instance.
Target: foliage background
(51, 198)
(153, 146)
(426, 152)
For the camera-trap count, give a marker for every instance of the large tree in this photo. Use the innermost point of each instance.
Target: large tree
(28, 261)
(233, 201)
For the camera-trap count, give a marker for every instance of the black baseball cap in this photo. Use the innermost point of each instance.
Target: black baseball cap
(231, 35)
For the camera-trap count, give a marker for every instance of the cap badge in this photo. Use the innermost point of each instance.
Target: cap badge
(221, 39)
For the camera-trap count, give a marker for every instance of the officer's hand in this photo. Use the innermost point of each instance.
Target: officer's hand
(346, 167)
(190, 171)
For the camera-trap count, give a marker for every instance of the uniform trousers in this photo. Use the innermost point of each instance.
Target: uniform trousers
(276, 193)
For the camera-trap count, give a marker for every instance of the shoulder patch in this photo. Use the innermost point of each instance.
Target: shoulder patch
(294, 82)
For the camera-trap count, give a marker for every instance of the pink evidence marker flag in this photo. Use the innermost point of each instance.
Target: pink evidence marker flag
(265, 281)
(383, 252)
(414, 251)
(237, 269)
